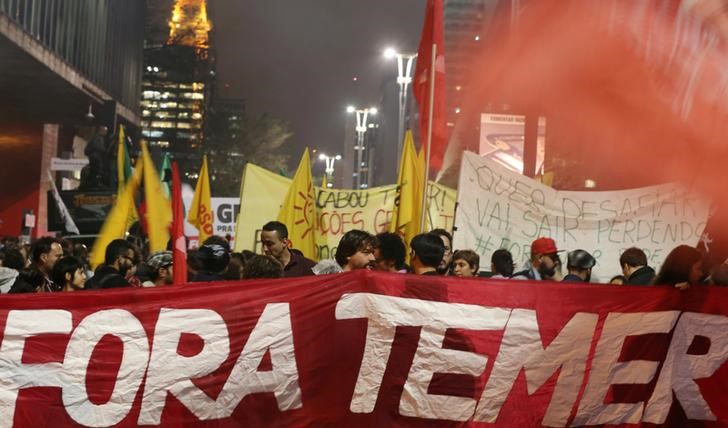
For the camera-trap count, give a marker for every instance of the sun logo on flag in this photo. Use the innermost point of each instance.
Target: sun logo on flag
(304, 204)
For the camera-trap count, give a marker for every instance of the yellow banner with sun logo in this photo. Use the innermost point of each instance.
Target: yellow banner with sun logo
(335, 211)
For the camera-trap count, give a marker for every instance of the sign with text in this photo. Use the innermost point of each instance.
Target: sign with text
(366, 349)
(504, 209)
(337, 210)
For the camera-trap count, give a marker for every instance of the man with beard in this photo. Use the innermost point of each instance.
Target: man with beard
(580, 264)
(445, 264)
(545, 261)
(45, 252)
(355, 250)
(119, 261)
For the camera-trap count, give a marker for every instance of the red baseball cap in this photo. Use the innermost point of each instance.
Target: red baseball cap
(544, 246)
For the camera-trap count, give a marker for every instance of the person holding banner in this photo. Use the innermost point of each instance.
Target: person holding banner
(682, 268)
(69, 273)
(501, 264)
(545, 261)
(580, 264)
(390, 253)
(355, 250)
(427, 252)
(465, 263)
(447, 258)
(160, 265)
(120, 261)
(274, 238)
(634, 267)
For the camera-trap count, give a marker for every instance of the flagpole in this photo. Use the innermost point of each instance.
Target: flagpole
(428, 147)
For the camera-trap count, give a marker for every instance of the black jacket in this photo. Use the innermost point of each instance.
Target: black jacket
(642, 276)
(106, 277)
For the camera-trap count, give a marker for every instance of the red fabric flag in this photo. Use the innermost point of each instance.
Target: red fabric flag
(432, 34)
(179, 249)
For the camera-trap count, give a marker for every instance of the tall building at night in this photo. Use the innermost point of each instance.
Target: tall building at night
(67, 66)
(177, 85)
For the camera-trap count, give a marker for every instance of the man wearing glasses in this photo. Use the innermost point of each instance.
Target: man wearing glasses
(545, 262)
(446, 237)
(119, 263)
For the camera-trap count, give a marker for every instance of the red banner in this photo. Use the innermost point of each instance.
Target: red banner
(366, 349)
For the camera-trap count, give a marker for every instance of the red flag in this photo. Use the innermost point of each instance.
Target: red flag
(432, 34)
(179, 248)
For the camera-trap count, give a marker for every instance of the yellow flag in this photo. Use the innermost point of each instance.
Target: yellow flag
(406, 215)
(158, 209)
(115, 226)
(298, 209)
(200, 214)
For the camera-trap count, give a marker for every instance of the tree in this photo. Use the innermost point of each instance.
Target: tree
(236, 139)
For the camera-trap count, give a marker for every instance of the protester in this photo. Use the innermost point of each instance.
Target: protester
(389, 253)
(214, 257)
(465, 263)
(545, 262)
(355, 250)
(579, 264)
(193, 263)
(682, 268)
(274, 238)
(235, 268)
(69, 273)
(120, 261)
(618, 280)
(446, 238)
(501, 264)
(719, 275)
(262, 267)
(634, 267)
(159, 269)
(81, 252)
(11, 264)
(427, 250)
(45, 252)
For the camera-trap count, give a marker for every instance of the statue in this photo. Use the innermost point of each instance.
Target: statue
(96, 173)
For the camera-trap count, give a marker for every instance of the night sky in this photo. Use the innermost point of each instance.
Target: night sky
(296, 59)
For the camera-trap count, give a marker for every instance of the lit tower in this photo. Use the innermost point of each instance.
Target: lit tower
(177, 85)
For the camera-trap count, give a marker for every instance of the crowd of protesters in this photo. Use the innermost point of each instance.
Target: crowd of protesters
(54, 265)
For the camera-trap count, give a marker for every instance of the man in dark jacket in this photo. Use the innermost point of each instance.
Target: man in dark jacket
(545, 264)
(45, 252)
(274, 238)
(120, 259)
(580, 264)
(214, 257)
(427, 252)
(634, 267)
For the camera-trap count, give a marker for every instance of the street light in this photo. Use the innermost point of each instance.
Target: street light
(404, 78)
(361, 128)
(330, 161)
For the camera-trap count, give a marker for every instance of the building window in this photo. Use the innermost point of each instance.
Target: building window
(160, 124)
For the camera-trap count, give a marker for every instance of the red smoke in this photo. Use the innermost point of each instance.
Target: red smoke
(635, 93)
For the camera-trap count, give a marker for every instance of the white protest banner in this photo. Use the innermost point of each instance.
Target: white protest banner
(503, 209)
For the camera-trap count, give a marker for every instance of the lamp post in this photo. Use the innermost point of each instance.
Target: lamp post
(404, 78)
(361, 128)
(330, 161)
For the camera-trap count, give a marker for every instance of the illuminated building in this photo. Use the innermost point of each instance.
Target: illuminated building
(177, 85)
